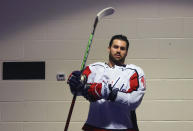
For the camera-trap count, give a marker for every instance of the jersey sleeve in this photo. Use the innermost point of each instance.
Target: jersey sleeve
(133, 97)
(89, 74)
(91, 70)
(96, 87)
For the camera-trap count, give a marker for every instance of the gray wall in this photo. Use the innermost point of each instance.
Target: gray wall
(57, 31)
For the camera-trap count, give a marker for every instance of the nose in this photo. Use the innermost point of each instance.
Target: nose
(119, 49)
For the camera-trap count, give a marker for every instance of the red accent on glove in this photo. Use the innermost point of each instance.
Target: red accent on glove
(95, 90)
(134, 83)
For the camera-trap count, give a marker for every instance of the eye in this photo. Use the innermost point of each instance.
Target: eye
(115, 46)
(123, 48)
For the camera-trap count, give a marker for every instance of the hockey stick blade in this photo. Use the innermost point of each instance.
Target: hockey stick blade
(105, 12)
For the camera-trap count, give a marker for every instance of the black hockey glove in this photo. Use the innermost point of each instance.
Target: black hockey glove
(113, 93)
(76, 82)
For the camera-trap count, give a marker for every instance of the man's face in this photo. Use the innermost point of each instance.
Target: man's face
(118, 51)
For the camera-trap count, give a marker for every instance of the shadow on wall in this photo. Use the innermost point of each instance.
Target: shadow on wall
(18, 15)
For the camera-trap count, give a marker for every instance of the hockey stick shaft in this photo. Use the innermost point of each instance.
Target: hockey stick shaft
(82, 67)
(100, 15)
(87, 52)
(70, 113)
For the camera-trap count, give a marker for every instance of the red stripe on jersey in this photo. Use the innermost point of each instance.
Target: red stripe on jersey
(143, 82)
(134, 84)
(86, 71)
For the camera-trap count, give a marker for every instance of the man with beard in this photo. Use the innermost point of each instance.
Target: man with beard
(114, 90)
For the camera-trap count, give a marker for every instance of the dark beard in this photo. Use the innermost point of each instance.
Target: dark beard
(117, 62)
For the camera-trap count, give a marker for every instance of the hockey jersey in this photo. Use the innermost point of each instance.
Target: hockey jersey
(130, 81)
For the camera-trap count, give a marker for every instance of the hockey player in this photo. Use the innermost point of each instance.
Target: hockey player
(114, 90)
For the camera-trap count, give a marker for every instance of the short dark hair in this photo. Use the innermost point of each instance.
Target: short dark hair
(120, 37)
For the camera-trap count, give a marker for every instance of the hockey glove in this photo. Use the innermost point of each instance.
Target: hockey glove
(76, 82)
(97, 91)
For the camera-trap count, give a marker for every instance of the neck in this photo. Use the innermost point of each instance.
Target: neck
(111, 64)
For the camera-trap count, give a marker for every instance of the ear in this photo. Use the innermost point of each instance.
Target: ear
(126, 52)
(108, 49)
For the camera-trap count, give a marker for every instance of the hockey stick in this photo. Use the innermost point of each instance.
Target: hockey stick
(105, 12)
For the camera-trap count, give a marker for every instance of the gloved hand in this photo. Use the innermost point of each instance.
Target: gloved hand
(76, 82)
(97, 91)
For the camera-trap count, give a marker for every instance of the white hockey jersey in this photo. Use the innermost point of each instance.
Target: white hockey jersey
(130, 81)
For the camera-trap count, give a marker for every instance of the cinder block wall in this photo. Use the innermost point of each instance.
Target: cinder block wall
(161, 42)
